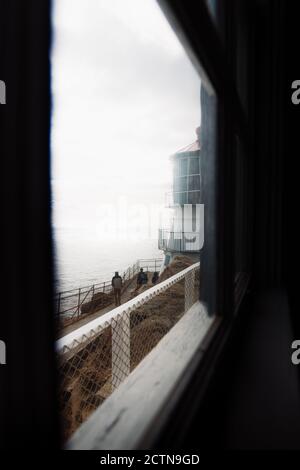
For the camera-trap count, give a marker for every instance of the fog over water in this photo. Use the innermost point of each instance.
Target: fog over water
(125, 97)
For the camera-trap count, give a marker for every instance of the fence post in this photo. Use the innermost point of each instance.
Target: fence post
(58, 303)
(189, 282)
(78, 305)
(120, 350)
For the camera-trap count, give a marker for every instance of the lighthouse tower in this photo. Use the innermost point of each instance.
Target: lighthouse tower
(182, 236)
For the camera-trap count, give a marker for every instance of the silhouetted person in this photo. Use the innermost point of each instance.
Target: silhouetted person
(116, 283)
(142, 278)
(155, 277)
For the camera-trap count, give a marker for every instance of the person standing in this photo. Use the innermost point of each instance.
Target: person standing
(140, 278)
(116, 283)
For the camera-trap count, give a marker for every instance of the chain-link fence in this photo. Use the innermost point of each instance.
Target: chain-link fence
(96, 358)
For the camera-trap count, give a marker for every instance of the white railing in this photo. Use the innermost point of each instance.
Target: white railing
(95, 358)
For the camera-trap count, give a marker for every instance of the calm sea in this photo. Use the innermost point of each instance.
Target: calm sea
(83, 261)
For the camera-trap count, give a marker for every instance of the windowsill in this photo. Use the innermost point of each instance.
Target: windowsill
(124, 418)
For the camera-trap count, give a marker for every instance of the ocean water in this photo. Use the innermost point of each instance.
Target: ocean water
(82, 261)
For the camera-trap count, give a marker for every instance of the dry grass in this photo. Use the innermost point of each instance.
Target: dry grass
(86, 377)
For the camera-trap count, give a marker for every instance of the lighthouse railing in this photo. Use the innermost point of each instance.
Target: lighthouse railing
(175, 241)
(95, 358)
(175, 198)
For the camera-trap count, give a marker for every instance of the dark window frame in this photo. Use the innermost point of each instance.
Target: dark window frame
(27, 258)
(210, 41)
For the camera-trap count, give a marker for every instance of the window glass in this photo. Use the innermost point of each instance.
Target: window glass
(113, 161)
(176, 168)
(194, 182)
(184, 166)
(180, 183)
(194, 166)
(194, 197)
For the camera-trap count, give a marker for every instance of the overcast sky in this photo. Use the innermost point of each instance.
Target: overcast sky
(125, 97)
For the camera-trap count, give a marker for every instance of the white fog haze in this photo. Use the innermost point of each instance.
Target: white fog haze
(125, 97)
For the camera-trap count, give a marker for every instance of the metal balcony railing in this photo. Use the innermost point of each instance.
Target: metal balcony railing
(173, 198)
(182, 242)
(94, 359)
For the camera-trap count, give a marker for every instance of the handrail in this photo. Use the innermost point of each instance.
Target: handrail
(82, 288)
(106, 282)
(64, 304)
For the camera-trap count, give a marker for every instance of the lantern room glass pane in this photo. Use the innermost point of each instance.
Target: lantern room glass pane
(194, 182)
(194, 166)
(180, 184)
(184, 167)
